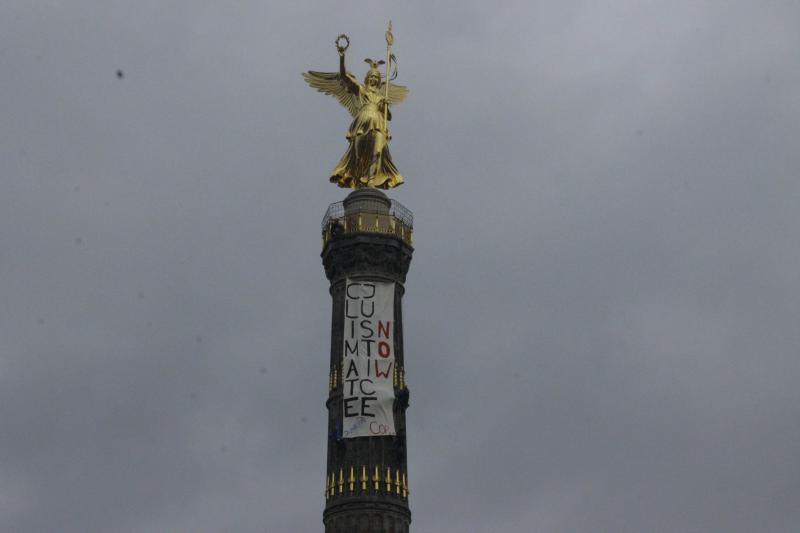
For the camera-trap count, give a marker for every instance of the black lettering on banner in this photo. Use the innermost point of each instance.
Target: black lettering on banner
(361, 386)
(350, 349)
(369, 346)
(352, 383)
(371, 286)
(352, 368)
(350, 287)
(366, 325)
(368, 336)
(365, 406)
(348, 407)
(371, 311)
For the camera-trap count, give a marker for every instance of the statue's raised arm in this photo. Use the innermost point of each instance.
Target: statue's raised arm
(367, 162)
(341, 85)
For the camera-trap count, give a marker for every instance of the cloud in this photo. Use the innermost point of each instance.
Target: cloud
(600, 316)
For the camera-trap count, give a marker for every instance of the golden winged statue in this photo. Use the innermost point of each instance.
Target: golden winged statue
(367, 162)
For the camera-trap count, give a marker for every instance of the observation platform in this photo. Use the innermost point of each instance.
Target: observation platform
(368, 211)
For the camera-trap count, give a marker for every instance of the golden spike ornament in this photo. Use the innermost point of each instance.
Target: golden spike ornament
(376, 478)
(367, 161)
(364, 478)
(352, 479)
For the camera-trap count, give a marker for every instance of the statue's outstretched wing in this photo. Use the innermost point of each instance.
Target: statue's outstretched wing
(332, 83)
(397, 93)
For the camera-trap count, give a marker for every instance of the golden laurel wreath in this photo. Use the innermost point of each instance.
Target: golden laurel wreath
(339, 47)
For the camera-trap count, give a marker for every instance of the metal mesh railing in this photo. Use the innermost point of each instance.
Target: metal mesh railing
(399, 222)
(402, 213)
(335, 212)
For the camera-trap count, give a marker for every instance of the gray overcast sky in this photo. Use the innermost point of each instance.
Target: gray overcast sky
(601, 316)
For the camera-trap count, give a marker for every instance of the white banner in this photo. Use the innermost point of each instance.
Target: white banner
(368, 359)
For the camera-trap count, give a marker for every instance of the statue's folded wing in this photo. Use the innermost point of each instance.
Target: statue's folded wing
(332, 83)
(397, 93)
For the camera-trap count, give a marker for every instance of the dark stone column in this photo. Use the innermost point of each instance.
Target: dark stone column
(369, 240)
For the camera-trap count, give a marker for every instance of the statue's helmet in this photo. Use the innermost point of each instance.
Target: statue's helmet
(374, 71)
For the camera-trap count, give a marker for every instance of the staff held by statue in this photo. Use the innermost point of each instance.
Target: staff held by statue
(389, 43)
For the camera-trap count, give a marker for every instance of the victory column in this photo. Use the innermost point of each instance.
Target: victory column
(366, 254)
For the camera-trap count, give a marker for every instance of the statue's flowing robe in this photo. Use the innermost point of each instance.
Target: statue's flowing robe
(367, 162)
(354, 167)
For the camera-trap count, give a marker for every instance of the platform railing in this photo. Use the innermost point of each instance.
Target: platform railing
(399, 222)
